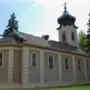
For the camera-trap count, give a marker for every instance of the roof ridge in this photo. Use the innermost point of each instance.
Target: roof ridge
(30, 34)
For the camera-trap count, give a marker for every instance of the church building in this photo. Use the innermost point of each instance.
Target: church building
(28, 60)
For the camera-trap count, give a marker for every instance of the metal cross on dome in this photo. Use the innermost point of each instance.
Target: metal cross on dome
(65, 5)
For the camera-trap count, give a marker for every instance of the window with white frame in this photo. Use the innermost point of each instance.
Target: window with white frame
(66, 64)
(87, 64)
(34, 59)
(79, 65)
(1, 57)
(51, 63)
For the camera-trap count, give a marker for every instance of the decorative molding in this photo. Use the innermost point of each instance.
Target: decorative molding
(7, 48)
(42, 47)
(39, 49)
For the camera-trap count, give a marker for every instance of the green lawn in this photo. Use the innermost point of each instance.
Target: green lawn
(72, 88)
(66, 88)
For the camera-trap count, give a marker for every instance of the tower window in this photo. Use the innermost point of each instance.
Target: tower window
(64, 36)
(72, 36)
(66, 63)
(50, 62)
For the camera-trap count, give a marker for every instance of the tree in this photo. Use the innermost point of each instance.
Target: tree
(82, 40)
(12, 25)
(88, 36)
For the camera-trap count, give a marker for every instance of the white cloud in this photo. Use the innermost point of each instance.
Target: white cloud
(15, 1)
(54, 9)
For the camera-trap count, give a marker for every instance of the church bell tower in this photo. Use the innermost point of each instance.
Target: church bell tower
(67, 29)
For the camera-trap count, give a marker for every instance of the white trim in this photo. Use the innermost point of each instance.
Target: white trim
(69, 63)
(81, 68)
(53, 61)
(65, 63)
(34, 52)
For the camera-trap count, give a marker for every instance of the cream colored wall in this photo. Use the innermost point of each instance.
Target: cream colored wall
(34, 72)
(80, 75)
(68, 72)
(17, 65)
(25, 64)
(25, 74)
(88, 68)
(4, 66)
(51, 75)
(9, 58)
(68, 30)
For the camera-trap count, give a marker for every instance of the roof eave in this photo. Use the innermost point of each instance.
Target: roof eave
(42, 47)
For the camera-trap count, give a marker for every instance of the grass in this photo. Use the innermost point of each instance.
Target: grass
(57, 88)
(71, 88)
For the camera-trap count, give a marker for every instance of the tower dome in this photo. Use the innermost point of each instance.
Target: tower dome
(66, 18)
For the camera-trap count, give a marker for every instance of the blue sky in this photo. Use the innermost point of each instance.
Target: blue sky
(28, 14)
(39, 17)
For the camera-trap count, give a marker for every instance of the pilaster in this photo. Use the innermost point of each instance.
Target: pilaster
(25, 65)
(10, 64)
(85, 69)
(60, 67)
(74, 68)
(41, 66)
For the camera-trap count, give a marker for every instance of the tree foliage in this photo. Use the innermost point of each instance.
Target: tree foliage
(88, 36)
(82, 40)
(12, 25)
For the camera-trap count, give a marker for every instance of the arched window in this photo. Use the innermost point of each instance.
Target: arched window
(72, 36)
(79, 65)
(87, 63)
(66, 63)
(34, 59)
(50, 62)
(1, 56)
(63, 36)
